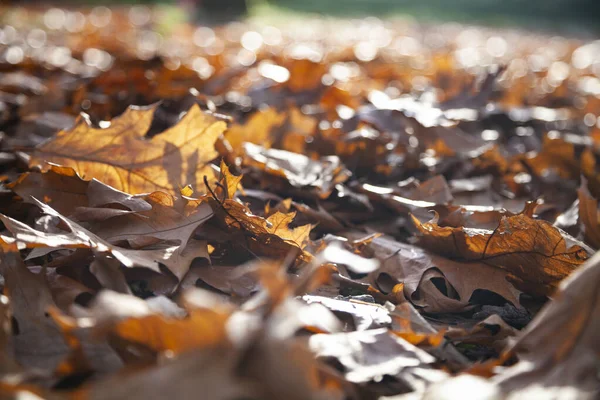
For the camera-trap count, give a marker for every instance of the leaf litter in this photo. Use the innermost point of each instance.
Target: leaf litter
(265, 211)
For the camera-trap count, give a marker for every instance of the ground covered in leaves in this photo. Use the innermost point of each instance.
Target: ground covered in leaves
(305, 210)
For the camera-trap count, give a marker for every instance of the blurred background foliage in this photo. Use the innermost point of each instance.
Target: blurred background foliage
(537, 12)
(570, 16)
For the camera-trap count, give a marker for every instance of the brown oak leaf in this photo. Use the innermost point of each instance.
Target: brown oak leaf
(536, 255)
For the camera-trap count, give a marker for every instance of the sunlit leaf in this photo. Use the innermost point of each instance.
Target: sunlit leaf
(121, 157)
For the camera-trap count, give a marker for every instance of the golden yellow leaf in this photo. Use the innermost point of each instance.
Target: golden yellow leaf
(229, 182)
(257, 129)
(121, 157)
(271, 236)
(278, 224)
(202, 328)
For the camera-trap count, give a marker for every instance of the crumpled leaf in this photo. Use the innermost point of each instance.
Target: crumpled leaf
(272, 235)
(534, 253)
(58, 186)
(165, 221)
(300, 171)
(79, 237)
(558, 351)
(373, 354)
(365, 315)
(411, 326)
(435, 195)
(117, 217)
(37, 340)
(120, 157)
(435, 283)
(492, 332)
(65, 191)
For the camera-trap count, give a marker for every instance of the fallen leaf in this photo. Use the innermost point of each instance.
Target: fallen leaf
(370, 355)
(165, 221)
(177, 378)
(78, 237)
(258, 129)
(364, 315)
(37, 340)
(270, 236)
(534, 253)
(558, 351)
(63, 189)
(120, 157)
(162, 334)
(300, 171)
(435, 283)
(229, 183)
(59, 186)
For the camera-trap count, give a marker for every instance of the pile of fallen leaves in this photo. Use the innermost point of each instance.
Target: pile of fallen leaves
(315, 210)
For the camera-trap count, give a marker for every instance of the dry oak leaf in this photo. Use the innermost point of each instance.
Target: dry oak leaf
(271, 236)
(167, 220)
(38, 341)
(422, 274)
(117, 216)
(559, 350)
(121, 157)
(536, 255)
(210, 371)
(59, 186)
(277, 224)
(221, 372)
(63, 189)
(175, 258)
